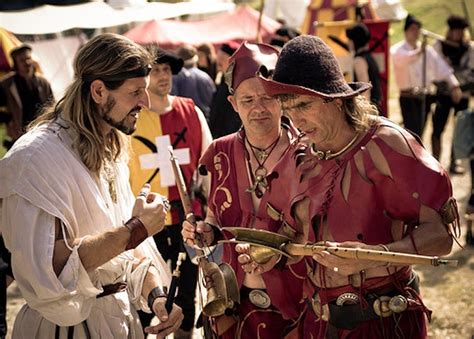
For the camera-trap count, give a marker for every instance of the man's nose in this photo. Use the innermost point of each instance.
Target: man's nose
(145, 100)
(260, 105)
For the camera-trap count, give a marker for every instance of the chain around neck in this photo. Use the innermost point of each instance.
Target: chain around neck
(262, 154)
(327, 155)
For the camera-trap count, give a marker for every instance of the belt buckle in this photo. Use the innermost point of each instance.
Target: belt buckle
(260, 298)
(385, 306)
(398, 304)
(347, 298)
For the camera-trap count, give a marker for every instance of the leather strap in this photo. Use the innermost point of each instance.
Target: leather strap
(112, 289)
(155, 293)
(138, 233)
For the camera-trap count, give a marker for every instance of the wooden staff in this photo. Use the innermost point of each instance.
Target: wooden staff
(259, 23)
(174, 282)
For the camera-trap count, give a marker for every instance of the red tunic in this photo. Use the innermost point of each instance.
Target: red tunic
(365, 209)
(226, 160)
(173, 123)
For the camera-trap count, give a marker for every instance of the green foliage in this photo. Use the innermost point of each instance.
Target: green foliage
(432, 14)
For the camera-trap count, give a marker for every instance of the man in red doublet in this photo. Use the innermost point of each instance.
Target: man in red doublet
(365, 183)
(251, 174)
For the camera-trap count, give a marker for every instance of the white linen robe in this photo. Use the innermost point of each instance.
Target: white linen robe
(42, 178)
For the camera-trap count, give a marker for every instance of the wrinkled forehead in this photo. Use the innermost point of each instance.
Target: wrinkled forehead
(250, 87)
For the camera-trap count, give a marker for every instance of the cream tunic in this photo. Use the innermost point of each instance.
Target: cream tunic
(42, 178)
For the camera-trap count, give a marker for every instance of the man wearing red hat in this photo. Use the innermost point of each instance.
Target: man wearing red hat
(251, 175)
(171, 121)
(365, 183)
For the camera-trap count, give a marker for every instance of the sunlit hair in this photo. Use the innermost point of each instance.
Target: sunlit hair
(357, 110)
(102, 57)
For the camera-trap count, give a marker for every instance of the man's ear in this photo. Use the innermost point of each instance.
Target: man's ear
(232, 101)
(98, 91)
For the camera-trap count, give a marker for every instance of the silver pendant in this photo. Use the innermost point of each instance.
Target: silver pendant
(260, 298)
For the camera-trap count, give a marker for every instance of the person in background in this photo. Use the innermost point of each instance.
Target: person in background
(207, 60)
(171, 121)
(283, 35)
(407, 57)
(223, 119)
(78, 236)
(367, 183)
(458, 52)
(365, 67)
(23, 93)
(193, 83)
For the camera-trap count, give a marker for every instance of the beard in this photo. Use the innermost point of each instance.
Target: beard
(122, 125)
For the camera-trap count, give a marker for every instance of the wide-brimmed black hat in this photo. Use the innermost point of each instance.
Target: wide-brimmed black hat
(19, 49)
(307, 66)
(411, 20)
(457, 22)
(359, 34)
(166, 57)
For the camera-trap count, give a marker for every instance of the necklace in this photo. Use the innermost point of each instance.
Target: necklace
(327, 155)
(259, 175)
(110, 177)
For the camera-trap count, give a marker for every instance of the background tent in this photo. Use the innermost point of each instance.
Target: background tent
(334, 31)
(241, 24)
(7, 42)
(329, 19)
(335, 10)
(53, 19)
(291, 11)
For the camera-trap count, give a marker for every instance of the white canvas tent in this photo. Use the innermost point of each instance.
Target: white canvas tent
(53, 19)
(292, 11)
(56, 55)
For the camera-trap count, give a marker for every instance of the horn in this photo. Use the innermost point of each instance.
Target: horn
(219, 284)
(216, 303)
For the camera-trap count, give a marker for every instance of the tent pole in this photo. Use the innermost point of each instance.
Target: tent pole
(466, 14)
(259, 25)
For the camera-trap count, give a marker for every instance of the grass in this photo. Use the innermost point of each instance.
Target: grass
(432, 14)
(3, 133)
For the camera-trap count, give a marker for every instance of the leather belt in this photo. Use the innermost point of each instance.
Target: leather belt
(414, 92)
(112, 289)
(380, 304)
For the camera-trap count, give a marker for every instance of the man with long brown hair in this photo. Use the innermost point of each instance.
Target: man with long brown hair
(364, 183)
(77, 235)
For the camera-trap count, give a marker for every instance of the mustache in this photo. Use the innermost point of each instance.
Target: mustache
(260, 116)
(136, 109)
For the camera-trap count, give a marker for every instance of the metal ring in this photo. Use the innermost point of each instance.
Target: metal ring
(142, 194)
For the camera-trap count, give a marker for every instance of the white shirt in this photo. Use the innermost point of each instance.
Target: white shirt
(43, 179)
(408, 66)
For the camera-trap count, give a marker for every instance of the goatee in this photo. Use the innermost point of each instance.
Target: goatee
(120, 125)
